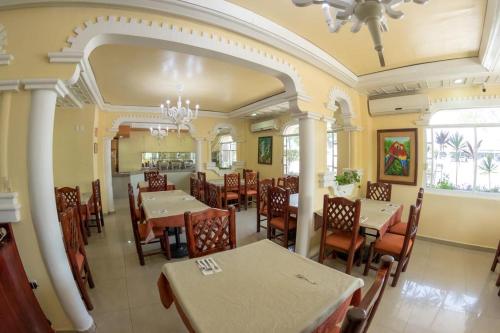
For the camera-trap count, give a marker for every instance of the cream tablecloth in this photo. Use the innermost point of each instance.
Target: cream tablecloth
(262, 288)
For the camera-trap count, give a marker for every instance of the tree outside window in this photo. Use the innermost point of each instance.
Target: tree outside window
(291, 151)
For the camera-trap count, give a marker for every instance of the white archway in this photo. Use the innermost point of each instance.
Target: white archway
(343, 99)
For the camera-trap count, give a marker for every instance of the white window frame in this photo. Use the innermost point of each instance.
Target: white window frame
(228, 152)
(286, 137)
(335, 157)
(429, 163)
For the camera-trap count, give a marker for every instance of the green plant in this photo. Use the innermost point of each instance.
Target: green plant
(445, 184)
(488, 166)
(348, 177)
(442, 139)
(457, 143)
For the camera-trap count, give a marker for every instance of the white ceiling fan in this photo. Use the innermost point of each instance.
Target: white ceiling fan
(370, 12)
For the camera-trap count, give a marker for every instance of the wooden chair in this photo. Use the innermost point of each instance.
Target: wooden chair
(157, 183)
(281, 181)
(400, 247)
(232, 189)
(399, 228)
(341, 217)
(278, 216)
(75, 251)
(251, 181)
(210, 231)
(263, 186)
(245, 171)
(378, 191)
(72, 199)
(202, 176)
(358, 319)
(292, 182)
(496, 260)
(140, 232)
(95, 208)
(61, 203)
(197, 189)
(214, 196)
(150, 173)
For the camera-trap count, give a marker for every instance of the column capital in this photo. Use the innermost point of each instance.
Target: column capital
(307, 115)
(9, 85)
(55, 85)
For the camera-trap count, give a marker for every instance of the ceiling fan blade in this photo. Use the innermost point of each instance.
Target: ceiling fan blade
(392, 13)
(356, 24)
(302, 3)
(420, 2)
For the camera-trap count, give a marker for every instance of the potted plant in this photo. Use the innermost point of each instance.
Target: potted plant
(346, 182)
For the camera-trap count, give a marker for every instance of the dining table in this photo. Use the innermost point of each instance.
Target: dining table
(375, 215)
(165, 209)
(261, 287)
(144, 186)
(216, 181)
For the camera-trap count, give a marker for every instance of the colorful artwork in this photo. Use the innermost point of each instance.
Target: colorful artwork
(265, 150)
(397, 156)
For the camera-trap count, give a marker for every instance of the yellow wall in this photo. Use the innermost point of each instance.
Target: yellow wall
(73, 147)
(131, 149)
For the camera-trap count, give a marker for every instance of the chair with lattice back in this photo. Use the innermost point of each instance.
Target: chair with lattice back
(399, 227)
(278, 216)
(210, 231)
(232, 189)
(75, 251)
(292, 182)
(378, 191)
(72, 199)
(202, 177)
(96, 206)
(250, 183)
(150, 173)
(157, 183)
(214, 196)
(340, 231)
(262, 189)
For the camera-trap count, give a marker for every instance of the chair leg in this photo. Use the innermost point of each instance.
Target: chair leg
(83, 292)
(350, 259)
(239, 203)
(495, 260)
(98, 221)
(102, 216)
(246, 202)
(83, 232)
(369, 260)
(361, 255)
(90, 279)
(166, 244)
(140, 254)
(407, 260)
(321, 256)
(285, 239)
(398, 272)
(258, 220)
(498, 280)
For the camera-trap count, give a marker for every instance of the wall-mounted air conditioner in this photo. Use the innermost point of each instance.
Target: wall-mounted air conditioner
(398, 105)
(266, 125)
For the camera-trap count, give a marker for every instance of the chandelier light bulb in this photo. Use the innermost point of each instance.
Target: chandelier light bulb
(187, 102)
(168, 102)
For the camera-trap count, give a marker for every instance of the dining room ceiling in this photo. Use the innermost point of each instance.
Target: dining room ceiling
(142, 76)
(439, 30)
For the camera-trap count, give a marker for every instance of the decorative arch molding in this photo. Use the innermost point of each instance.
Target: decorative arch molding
(5, 58)
(123, 30)
(341, 97)
(232, 131)
(478, 101)
(285, 125)
(211, 137)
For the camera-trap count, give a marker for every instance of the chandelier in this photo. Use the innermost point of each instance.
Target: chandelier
(159, 132)
(179, 115)
(370, 12)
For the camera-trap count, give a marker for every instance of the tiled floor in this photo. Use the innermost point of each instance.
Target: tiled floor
(445, 289)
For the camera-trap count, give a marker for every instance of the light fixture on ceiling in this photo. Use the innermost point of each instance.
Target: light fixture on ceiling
(159, 132)
(179, 115)
(254, 114)
(458, 81)
(370, 12)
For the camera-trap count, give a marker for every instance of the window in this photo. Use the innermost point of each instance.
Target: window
(227, 152)
(463, 150)
(331, 149)
(291, 155)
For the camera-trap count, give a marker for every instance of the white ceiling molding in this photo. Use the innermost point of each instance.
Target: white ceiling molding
(9, 85)
(145, 119)
(5, 58)
(262, 105)
(341, 97)
(156, 109)
(113, 30)
(489, 52)
(55, 85)
(441, 74)
(479, 101)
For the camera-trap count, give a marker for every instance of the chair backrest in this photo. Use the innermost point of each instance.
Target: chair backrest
(378, 191)
(232, 182)
(71, 234)
(411, 229)
(245, 171)
(358, 319)
(420, 193)
(262, 190)
(212, 230)
(251, 180)
(197, 187)
(292, 182)
(71, 197)
(281, 181)
(149, 173)
(278, 201)
(157, 183)
(202, 176)
(133, 216)
(214, 198)
(341, 214)
(61, 203)
(96, 194)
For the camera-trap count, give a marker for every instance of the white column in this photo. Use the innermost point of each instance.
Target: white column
(307, 184)
(108, 174)
(43, 205)
(199, 143)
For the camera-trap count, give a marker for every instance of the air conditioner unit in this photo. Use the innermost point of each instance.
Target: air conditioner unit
(266, 125)
(398, 105)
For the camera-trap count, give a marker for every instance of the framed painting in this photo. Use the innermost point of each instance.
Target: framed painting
(265, 151)
(397, 156)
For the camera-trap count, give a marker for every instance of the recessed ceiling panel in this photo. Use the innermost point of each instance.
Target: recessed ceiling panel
(438, 30)
(141, 76)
